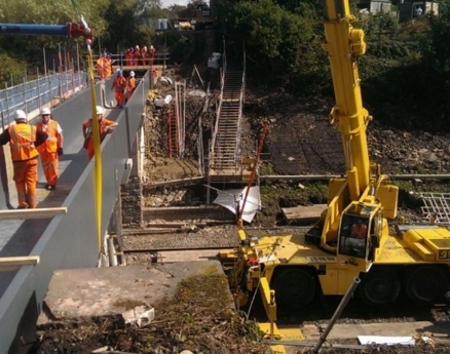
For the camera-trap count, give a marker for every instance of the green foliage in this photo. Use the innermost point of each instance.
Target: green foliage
(266, 169)
(125, 28)
(10, 67)
(271, 34)
(437, 51)
(399, 88)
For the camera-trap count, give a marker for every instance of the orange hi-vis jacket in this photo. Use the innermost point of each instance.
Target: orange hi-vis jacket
(131, 85)
(51, 144)
(22, 138)
(107, 67)
(102, 128)
(119, 84)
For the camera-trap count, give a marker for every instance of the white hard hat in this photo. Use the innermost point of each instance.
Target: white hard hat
(144, 48)
(100, 110)
(45, 111)
(20, 115)
(151, 47)
(132, 73)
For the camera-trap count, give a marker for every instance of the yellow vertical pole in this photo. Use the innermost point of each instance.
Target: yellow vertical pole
(97, 153)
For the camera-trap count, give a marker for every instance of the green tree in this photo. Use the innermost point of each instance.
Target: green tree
(122, 26)
(437, 53)
(275, 38)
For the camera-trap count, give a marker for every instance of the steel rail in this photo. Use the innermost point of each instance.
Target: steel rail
(178, 249)
(326, 177)
(297, 177)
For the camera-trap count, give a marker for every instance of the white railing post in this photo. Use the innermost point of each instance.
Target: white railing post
(38, 88)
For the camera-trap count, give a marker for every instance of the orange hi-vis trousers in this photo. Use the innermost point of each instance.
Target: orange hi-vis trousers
(120, 98)
(25, 176)
(50, 165)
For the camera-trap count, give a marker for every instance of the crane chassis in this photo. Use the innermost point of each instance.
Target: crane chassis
(353, 238)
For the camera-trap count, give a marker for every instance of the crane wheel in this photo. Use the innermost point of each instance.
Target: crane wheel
(380, 287)
(427, 284)
(294, 288)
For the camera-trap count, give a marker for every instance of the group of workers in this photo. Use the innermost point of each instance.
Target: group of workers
(140, 56)
(46, 140)
(133, 56)
(26, 143)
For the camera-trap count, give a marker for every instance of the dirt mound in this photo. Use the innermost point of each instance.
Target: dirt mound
(301, 140)
(198, 318)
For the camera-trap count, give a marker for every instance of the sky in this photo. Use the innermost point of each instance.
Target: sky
(167, 3)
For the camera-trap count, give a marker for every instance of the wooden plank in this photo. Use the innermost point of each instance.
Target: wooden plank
(38, 213)
(13, 263)
(301, 212)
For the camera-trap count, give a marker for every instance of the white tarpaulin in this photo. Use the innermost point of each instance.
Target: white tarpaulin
(231, 197)
(389, 340)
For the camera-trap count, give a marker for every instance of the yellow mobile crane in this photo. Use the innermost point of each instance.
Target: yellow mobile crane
(353, 238)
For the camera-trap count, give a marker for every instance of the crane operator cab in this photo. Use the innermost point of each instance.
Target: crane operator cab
(359, 234)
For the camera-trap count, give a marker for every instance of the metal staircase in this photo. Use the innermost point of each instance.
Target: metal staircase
(225, 156)
(173, 131)
(176, 121)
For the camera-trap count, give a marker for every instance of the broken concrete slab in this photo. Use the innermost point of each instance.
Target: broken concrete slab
(97, 292)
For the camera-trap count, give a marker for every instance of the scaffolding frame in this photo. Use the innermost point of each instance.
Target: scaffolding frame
(436, 207)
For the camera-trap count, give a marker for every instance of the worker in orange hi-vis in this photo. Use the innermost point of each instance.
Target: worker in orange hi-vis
(23, 139)
(129, 55)
(105, 127)
(119, 85)
(107, 65)
(131, 85)
(137, 55)
(50, 151)
(100, 65)
(151, 55)
(155, 73)
(144, 56)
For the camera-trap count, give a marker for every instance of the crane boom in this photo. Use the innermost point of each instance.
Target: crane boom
(70, 30)
(344, 44)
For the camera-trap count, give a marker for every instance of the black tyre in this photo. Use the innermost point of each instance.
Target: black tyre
(426, 284)
(294, 288)
(380, 287)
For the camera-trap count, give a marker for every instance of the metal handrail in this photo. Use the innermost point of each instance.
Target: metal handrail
(43, 91)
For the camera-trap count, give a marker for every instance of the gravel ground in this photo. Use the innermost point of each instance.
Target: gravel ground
(218, 236)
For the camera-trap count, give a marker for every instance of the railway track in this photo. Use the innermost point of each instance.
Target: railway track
(173, 255)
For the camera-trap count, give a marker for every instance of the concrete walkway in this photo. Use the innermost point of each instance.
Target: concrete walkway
(440, 331)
